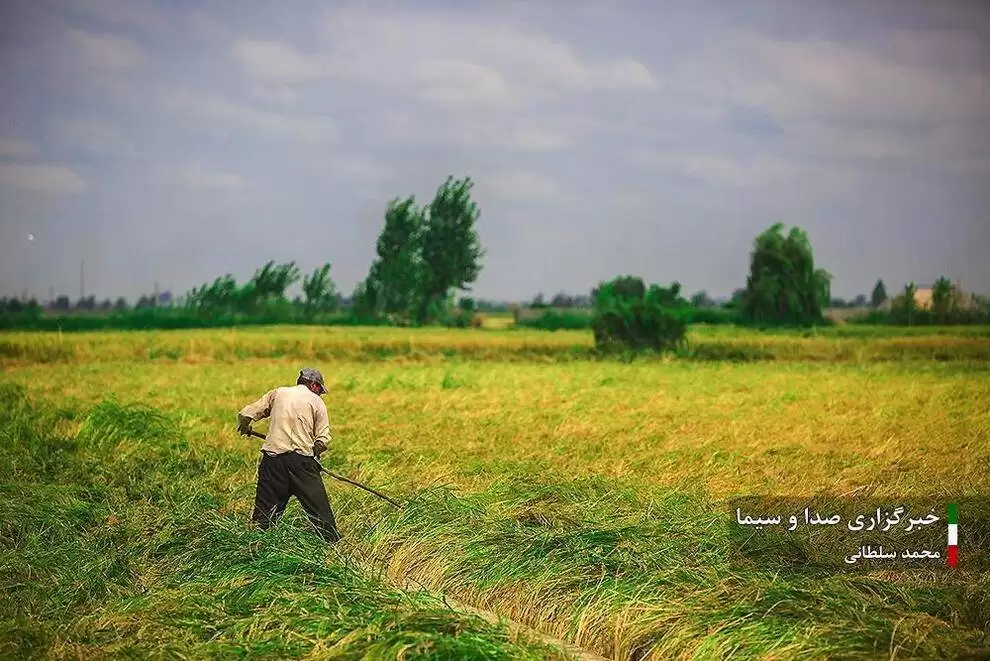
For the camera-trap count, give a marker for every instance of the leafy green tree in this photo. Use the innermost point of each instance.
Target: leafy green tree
(451, 248)
(783, 286)
(942, 298)
(736, 299)
(396, 275)
(424, 255)
(265, 290)
(364, 300)
(905, 306)
(319, 291)
(11, 305)
(879, 294)
(702, 300)
(625, 287)
(267, 287)
(86, 303)
(221, 296)
(669, 296)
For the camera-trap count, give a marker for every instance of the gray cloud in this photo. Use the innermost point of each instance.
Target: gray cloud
(104, 52)
(15, 147)
(89, 135)
(219, 113)
(142, 14)
(604, 136)
(41, 178)
(274, 62)
(199, 177)
(756, 121)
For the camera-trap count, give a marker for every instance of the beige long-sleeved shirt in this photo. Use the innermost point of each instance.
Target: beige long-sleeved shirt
(299, 420)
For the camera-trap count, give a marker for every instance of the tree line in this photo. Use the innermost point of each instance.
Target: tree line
(427, 255)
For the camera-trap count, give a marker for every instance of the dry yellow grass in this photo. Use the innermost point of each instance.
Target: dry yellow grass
(425, 344)
(719, 428)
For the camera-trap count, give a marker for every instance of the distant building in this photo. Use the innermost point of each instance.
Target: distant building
(165, 298)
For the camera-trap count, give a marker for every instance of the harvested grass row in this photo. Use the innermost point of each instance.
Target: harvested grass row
(635, 579)
(376, 344)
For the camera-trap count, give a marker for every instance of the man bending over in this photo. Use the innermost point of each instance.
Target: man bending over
(298, 432)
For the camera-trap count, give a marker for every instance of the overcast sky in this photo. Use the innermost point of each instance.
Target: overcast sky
(179, 141)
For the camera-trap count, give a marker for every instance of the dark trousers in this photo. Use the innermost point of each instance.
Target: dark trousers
(291, 474)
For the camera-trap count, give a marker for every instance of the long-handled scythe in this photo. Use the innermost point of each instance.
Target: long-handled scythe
(340, 477)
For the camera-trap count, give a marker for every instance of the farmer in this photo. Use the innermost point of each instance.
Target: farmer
(299, 430)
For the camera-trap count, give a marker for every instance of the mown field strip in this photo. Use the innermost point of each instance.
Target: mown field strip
(578, 653)
(410, 585)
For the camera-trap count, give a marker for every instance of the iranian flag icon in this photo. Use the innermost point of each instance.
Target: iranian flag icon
(953, 548)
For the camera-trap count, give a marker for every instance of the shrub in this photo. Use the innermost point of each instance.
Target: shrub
(457, 321)
(629, 317)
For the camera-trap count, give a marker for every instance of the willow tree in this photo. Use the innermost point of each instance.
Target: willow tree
(783, 286)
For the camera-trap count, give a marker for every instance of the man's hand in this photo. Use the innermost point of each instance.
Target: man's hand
(244, 425)
(318, 449)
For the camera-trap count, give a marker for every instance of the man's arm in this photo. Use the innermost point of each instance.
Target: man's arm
(321, 430)
(255, 411)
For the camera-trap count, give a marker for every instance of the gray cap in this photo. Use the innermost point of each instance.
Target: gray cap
(313, 375)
